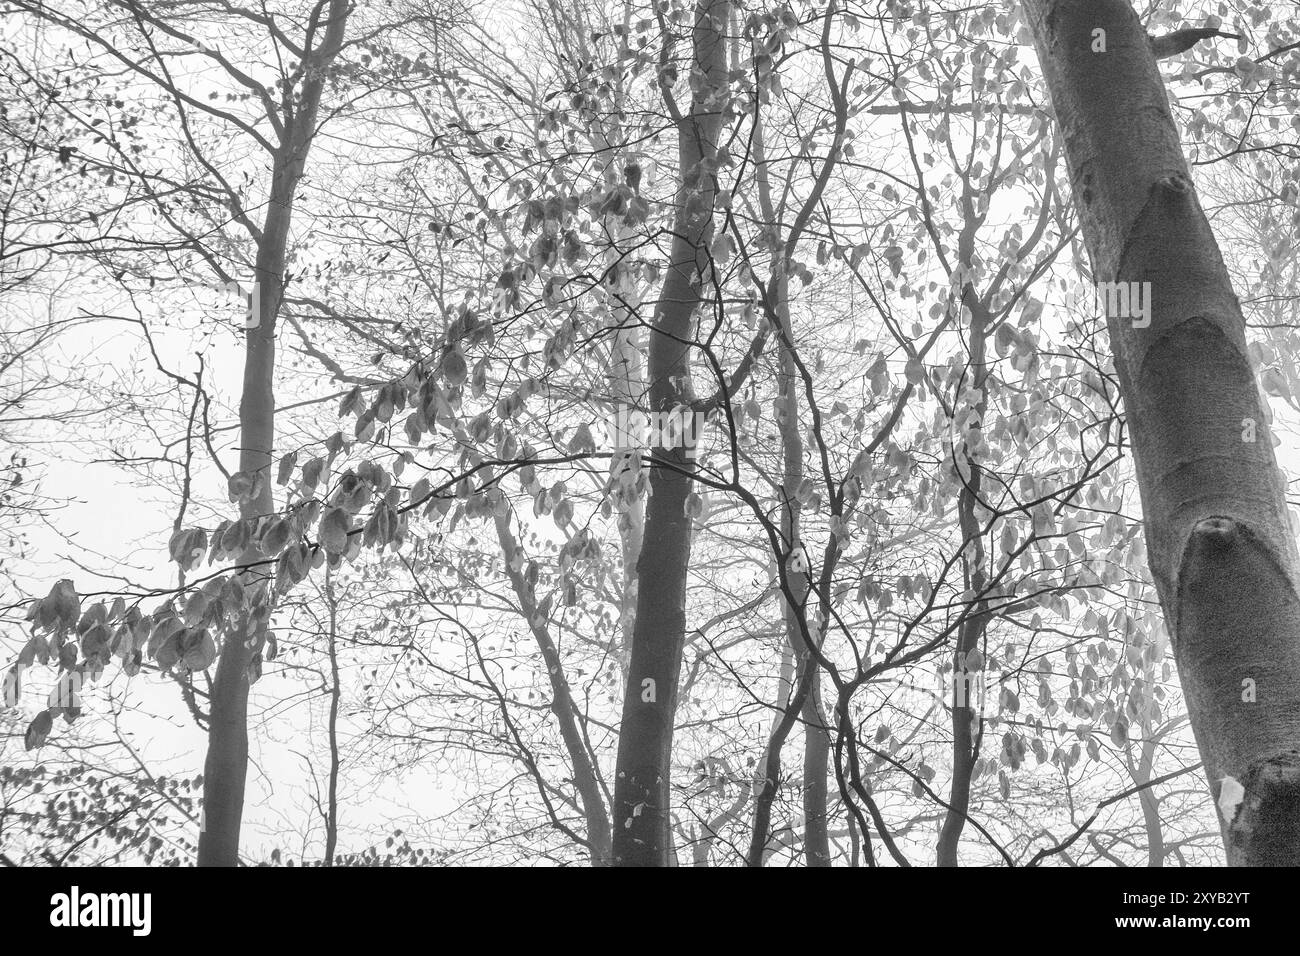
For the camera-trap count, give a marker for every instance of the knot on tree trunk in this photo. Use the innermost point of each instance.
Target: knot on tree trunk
(1217, 532)
(1175, 185)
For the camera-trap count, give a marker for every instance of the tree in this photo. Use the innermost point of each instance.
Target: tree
(227, 760)
(913, 477)
(1219, 537)
(641, 786)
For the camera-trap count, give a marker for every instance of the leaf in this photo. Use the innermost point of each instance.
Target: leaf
(176, 544)
(168, 654)
(241, 486)
(94, 646)
(352, 403)
(38, 730)
(1003, 340)
(61, 608)
(563, 513)
(1275, 383)
(334, 528)
(311, 474)
(163, 631)
(276, 537)
(454, 368)
(201, 652)
(1032, 312)
(285, 470)
(582, 442)
(1119, 732)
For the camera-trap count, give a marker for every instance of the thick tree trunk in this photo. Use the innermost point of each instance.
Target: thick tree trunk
(226, 766)
(1219, 540)
(641, 786)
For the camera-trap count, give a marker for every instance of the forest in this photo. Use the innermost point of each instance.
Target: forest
(702, 433)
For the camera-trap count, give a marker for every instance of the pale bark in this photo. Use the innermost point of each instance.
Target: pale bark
(627, 381)
(1219, 541)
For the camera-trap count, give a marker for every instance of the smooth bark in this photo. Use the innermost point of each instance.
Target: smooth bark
(226, 765)
(642, 780)
(1219, 541)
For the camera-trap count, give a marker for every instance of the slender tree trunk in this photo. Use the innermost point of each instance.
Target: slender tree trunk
(226, 766)
(1141, 774)
(1219, 541)
(804, 691)
(581, 763)
(769, 764)
(628, 391)
(965, 684)
(816, 755)
(332, 795)
(641, 786)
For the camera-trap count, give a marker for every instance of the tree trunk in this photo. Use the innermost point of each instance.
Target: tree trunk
(226, 766)
(965, 680)
(804, 691)
(1141, 774)
(332, 727)
(641, 787)
(586, 778)
(807, 681)
(628, 392)
(1219, 541)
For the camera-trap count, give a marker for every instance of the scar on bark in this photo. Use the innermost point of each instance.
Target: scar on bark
(1169, 209)
(1265, 829)
(1221, 546)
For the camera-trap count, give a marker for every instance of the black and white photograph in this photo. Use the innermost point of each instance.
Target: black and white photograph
(521, 434)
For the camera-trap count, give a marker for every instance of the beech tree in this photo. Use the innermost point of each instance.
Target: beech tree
(1220, 539)
(641, 786)
(891, 605)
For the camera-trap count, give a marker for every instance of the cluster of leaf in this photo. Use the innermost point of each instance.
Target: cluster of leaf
(76, 815)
